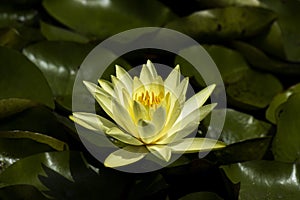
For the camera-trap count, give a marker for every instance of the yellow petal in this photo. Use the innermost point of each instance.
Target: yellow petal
(105, 102)
(192, 145)
(125, 156)
(159, 118)
(163, 152)
(197, 100)
(93, 88)
(180, 91)
(123, 137)
(92, 121)
(126, 79)
(139, 112)
(123, 118)
(146, 131)
(173, 80)
(151, 68)
(107, 86)
(205, 110)
(145, 75)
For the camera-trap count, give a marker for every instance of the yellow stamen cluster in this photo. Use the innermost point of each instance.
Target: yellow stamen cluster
(148, 98)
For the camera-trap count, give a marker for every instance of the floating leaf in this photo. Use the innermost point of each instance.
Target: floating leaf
(231, 64)
(35, 119)
(238, 127)
(218, 24)
(28, 143)
(106, 18)
(254, 91)
(265, 179)
(250, 149)
(287, 139)
(288, 21)
(272, 111)
(22, 79)
(11, 17)
(12, 106)
(260, 60)
(54, 33)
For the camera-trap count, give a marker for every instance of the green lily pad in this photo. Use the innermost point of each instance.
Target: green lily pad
(54, 33)
(239, 127)
(35, 119)
(231, 64)
(271, 41)
(11, 38)
(66, 175)
(254, 91)
(260, 60)
(201, 195)
(12, 106)
(287, 139)
(22, 79)
(100, 18)
(266, 179)
(250, 149)
(218, 24)
(28, 143)
(272, 111)
(288, 21)
(11, 17)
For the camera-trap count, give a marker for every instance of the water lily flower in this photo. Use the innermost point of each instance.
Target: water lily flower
(150, 115)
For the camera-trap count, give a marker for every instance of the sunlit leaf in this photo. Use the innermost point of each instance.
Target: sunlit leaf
(22, 79)
(238, 127)
(99, 18)
(287, 139)
(218, 23)
(265, 179)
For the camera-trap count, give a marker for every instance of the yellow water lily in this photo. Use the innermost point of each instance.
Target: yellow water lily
(150, 115)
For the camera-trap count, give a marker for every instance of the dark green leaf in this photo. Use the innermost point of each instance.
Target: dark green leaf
(27, 143)
(265, 180)
(216, 24)
(272, 111)
(286, 144)
(11, 38)
(231, 64)
(238, 127)
(22, 79)
(288, 21)
(254, 91)
(36, 119)
(201, 196)
(54, 33)
(260, 60)
(105, 18)
(250, 149)
(12, 106)
(11, 17)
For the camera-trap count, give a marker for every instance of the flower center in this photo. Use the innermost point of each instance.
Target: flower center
(149, 98)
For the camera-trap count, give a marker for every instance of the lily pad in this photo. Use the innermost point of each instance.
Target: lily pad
(100, 18)
(11, 17)
(54, 33)
(22, 79)
(12, 106)
(265, 179)
(254, 91)
(258, 59)
(231, 63)
(218, 24)
(272, 111)
(239, 127)
(288, 21)
(35, 119)
(287, 139)
(28, 143)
